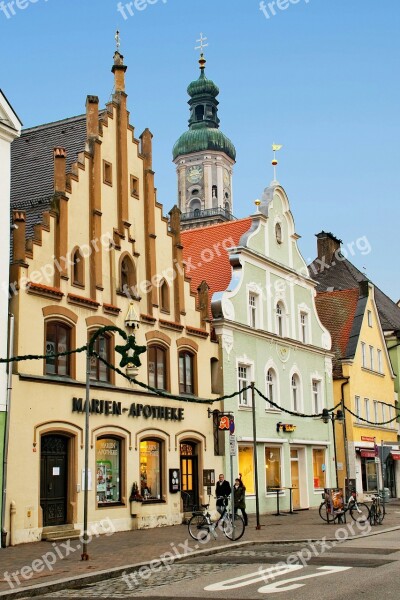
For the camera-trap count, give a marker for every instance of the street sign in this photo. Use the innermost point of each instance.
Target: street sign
(232, 445)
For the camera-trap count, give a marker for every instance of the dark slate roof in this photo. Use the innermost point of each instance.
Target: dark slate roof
(341, 313)
(343, 275)
(32, 170)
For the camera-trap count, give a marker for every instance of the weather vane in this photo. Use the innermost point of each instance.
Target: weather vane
(202, 44)
(275, 148)
(117, 40)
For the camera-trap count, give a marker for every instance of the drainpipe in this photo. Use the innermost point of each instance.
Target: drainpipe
(346, 448)
(3, 543)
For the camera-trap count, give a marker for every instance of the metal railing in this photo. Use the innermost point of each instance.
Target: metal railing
(209, 212)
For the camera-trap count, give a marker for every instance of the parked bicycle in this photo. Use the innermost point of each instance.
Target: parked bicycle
(377, 510)
(359, 511)
(201, 525)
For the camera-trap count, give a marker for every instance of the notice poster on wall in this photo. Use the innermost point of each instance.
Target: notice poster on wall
(89, 480)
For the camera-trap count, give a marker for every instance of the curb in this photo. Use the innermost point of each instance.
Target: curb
(76, 582)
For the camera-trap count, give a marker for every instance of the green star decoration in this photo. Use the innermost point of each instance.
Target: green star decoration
(124, 351)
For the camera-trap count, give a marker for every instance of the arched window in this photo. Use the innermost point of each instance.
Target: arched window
(164, 296)
(186, 375)
(271, 387)
(157, 367)
(199, 112)
(58, 339)
(151, 469)
(280, 316)
(214, 191)
(78, 268)
(109, 452)
(98, 370)
(128, 274)
(227, 207)
(295, 393)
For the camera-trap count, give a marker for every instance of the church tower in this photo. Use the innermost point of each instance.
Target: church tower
(204, 159)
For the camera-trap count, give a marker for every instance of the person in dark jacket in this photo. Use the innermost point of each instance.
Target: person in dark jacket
(222, 490)
(239, 492)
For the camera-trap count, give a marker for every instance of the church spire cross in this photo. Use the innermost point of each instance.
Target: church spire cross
(202, 44)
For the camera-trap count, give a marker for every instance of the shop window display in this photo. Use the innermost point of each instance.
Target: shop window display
(150, 469)
(108, 482)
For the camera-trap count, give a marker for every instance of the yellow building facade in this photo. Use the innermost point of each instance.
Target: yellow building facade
(367, 448)
(92, 249)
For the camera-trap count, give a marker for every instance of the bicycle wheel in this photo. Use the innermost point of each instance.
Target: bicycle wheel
(372, 514)
(237, 529)
(380, 514)
(198, 528)
(323, 512)
(360, 512)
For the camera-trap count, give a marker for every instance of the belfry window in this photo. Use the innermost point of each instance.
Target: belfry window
(199, 112)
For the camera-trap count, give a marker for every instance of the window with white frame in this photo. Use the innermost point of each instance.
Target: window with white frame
(376, 416)
(243, 382)
(272, 467)
(366, 407)
(246, 466)
(383, 412)
(370, 318)
(280, 316)
(363, 355)
(391, 416)
(272, 388)
(316, 394)
(319, 469)
(371, 357)
(253, 310)
(379, 353)
(357, 406)
(295, 393)
(304, 327)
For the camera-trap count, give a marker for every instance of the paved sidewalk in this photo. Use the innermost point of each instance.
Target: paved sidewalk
(124, 550)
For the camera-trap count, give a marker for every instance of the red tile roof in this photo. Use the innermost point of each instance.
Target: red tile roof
(205, 255)
(337, 310)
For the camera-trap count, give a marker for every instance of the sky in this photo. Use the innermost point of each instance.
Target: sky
(320, 77)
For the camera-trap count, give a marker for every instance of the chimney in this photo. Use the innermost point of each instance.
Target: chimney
(60, 180)
(364, 286)
(203, 291)
(19, 230)
(92, 116)
(119, 69)
(327, 245)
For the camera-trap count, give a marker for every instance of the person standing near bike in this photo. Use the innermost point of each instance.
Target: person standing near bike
(239, 492)
(222, 490)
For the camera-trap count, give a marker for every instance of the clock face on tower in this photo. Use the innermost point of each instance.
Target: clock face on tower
(226, 178)
(194, 174)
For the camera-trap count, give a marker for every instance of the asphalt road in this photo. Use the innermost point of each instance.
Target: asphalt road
(360, 569)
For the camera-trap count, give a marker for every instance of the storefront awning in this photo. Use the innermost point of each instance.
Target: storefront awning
(367, 453)
(395, 454)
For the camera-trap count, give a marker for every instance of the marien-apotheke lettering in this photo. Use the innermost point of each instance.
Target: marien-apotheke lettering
(108, 407)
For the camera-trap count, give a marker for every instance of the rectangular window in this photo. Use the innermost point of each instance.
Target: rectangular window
(134, 187)
(246, 467)
(186, 375)
(107, 172)
(357, 407)
(150, 470)
(157, 370)
(316, 387)
(376, 416)
(371, 357)
(108, 467)
(272, 468)
(253, 310)
(383, 413)
(364, 355)
(380, 369)
(369, 475)
(319, 468)
(304, 327)
(370, 318)
(366, 406)
(243, 381)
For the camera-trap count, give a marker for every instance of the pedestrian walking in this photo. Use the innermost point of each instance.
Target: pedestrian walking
(239, 492)
(222, 491)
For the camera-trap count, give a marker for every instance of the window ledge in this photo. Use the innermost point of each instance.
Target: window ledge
(155, 501)
(372, 372)
(245, 408)
(110, 504)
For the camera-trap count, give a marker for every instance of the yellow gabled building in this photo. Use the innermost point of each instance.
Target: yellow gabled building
(366, 442)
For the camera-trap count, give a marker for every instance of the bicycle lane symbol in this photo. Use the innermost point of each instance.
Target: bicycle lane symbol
(284, 585)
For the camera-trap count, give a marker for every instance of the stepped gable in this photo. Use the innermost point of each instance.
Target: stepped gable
(32, 164)
(200, 244)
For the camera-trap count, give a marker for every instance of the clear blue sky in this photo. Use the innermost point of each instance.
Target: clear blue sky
(321, 77)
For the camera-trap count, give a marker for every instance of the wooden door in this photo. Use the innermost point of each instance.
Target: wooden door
(53, 479)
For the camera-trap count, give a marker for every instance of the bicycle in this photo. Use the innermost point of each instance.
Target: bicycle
(201, 526)
(359, 511)
(377, 511)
